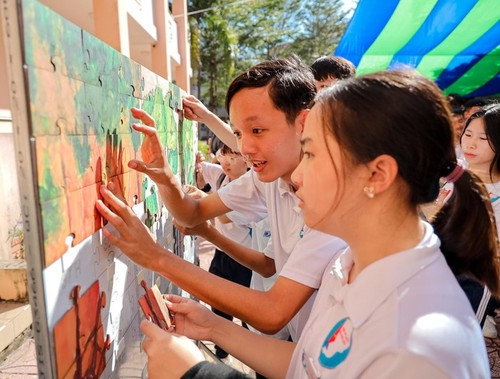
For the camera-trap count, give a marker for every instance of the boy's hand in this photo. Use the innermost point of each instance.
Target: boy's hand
(194, 109)
(154, 165)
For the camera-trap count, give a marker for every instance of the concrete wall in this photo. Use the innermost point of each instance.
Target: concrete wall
(9, 193)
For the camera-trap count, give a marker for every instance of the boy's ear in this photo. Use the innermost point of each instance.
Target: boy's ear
(384, 170)
(301, 119)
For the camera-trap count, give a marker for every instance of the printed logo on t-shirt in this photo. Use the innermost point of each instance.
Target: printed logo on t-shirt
(337, 344)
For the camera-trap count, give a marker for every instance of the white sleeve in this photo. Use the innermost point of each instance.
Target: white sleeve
(211, 173)
(269, 251)
(237, 218)
(314, 250)
(245, 196)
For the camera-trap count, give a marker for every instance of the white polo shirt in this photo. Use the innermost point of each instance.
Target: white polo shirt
(300, 253)
(403, 316)
(239, 232)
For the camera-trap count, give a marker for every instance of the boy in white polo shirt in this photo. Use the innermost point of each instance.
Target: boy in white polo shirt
(267, 107)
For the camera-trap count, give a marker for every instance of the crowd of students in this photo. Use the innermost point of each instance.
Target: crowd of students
(365, 286)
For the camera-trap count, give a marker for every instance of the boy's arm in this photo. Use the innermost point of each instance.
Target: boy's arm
(266, 311)
(253, 259)
(195, 110)
(186, 210)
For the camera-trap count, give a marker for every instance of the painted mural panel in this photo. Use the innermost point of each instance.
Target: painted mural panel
(71, 96)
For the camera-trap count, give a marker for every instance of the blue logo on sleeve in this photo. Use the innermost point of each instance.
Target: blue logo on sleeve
(337, 344)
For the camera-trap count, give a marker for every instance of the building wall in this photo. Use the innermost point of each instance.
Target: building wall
(9, 193)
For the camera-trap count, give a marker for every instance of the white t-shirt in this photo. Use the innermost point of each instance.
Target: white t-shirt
(239, 232)
(300, 253)
(402, 315)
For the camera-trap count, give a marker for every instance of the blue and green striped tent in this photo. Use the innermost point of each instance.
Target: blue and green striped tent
(454, 42)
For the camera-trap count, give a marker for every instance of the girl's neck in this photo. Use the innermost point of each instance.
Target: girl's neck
(383, 238)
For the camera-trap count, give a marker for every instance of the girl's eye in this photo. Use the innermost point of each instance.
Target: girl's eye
(237, 134)
(484, 138)
(257, 131)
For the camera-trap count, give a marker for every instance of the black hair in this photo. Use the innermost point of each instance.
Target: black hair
(405, 115)
(332, 67)
(477, 102)
(224, 149)
(290, 84)
(456, 102)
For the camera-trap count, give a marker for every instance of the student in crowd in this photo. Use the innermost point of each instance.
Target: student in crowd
(389, 305)
(328, 69)
(231, 166)
(267, 106)
(481, 146)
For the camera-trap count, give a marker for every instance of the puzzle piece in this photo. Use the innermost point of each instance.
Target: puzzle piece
(51, 42)
(80, 346)
(153, 306)
(150, 85)
(84, 219)
(55, 224)
(50, 115)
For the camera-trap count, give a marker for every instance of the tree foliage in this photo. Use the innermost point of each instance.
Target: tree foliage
(323, 23)
(212, 52)
(228, 36)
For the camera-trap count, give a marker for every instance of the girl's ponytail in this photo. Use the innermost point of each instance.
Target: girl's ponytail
(467, 230)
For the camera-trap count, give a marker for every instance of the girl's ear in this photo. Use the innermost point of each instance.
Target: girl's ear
(384, 170)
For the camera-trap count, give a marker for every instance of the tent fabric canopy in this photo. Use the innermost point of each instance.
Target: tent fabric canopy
(454, 42)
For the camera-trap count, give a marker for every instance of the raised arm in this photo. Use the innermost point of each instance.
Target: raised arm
(276, 307)
(195, 110)
(253, 259)
(185, 209)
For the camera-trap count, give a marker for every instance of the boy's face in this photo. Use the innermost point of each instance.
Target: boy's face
(269, 143)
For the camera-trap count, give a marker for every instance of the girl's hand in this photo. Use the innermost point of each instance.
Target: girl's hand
(191, 319)
(169, 355)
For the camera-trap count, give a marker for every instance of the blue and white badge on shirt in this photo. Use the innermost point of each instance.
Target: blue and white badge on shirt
(337, 344)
